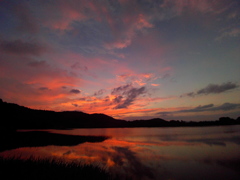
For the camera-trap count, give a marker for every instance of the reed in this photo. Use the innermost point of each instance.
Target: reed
(36, 169)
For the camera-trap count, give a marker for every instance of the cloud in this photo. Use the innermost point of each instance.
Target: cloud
(57, 15)
(216, 89)
(213, 89)
(43, 88)
(138, 79)
(125, 95)
(131, 24)
(83, 99)
(75, 91)
(121, 89)
(155, 85)
(75, 105)
(20, 47)
(131, 95)
(78, 66)
(211, 107)
(225, 107)
(199, 108)
(118, 99)
(100, 92)
(229, 33)
(164, 114)
(191, 94)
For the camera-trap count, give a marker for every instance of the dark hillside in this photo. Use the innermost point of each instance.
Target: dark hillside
(15, 117)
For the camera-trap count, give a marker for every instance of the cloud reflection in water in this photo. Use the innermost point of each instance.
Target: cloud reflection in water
(181, 154)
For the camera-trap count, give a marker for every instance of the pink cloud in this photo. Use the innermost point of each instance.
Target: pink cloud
(143, 22)
(131, 24)
(139, 79)
(155, 85)
(119, 44)
(66, 17)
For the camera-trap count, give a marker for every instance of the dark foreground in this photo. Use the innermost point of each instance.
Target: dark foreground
(36, 169)
(17, 168)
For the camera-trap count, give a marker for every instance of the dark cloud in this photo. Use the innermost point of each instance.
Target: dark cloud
(121, 89)
(75, 105)
(100, 92)
(211, 107)
(205, 106)
(78, 66)
(166, 76)
(164, 114)
(75, 91)
(216, 89)
(117, 99)
(213, 89)
(106, 99)
(83, 69)
(191, 94)
(199, 108)
(131, 95)
(20, 47)
(43, 88)
(226, 107)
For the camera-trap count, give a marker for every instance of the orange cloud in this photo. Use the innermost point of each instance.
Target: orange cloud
(155, 85)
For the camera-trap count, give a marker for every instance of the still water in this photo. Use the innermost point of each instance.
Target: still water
(154, 153)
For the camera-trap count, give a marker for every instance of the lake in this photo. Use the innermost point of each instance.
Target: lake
(153, 153)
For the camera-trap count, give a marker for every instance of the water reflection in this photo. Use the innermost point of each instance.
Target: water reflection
(154, 153)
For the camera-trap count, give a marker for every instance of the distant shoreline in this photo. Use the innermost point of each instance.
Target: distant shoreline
(41, 138)
(19, 117)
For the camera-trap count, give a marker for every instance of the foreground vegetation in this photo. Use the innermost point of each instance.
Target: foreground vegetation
(36, 169)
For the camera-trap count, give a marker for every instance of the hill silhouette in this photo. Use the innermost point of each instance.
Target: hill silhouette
(15, 117)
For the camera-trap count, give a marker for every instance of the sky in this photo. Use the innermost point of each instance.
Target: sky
(129, 59)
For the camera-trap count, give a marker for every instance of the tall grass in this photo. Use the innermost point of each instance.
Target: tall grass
(36, 169)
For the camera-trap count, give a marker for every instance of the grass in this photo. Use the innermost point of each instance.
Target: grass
(36, 169)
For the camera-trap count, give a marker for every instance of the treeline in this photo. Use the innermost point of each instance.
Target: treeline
(15, 117)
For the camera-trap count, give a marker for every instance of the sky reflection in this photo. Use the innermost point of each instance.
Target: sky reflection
(165, 153)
